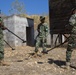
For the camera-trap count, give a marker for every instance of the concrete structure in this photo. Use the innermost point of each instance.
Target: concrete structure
(23, 27)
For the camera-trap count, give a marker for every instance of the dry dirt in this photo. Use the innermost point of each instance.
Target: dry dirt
(22, 63)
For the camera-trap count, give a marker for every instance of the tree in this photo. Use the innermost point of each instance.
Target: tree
(17, 7)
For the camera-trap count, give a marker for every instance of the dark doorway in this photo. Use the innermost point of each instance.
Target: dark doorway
(30, 36)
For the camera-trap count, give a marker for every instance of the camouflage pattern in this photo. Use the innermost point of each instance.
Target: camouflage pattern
(72, 39)
(1, 41)
(41, 37)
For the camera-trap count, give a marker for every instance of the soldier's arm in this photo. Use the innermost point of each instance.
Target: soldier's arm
(46, 29)
(2, 25)
(38, 28)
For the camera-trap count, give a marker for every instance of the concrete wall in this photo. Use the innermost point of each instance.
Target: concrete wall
(18, 26)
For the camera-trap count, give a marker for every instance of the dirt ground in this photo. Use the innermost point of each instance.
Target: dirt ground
(22, 63)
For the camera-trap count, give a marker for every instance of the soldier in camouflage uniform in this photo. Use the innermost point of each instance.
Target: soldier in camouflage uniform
(42, 34)
(72, 39)
(1, 43)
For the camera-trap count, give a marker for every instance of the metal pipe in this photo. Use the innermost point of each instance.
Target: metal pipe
(16, 35)
(9, 45)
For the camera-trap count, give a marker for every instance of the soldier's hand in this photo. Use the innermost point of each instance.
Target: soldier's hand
(4, 28)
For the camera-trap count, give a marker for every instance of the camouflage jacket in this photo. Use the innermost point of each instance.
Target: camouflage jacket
(42, 30)
(72, 22)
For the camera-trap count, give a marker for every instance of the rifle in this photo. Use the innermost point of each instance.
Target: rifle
(5, 28)
(9, 45)
(59, 44)
(16, 35)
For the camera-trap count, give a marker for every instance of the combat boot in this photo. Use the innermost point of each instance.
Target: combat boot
(36, 50)
(3, 63)
(45, 52)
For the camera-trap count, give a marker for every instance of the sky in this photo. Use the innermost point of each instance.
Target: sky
(32, 7)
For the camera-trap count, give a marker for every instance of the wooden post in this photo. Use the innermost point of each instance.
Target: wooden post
(51, 40)
(60, 38)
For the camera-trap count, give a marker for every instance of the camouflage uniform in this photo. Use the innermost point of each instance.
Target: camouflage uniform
(72, 39)
(41, 37)
(2, 62)
(1, 41)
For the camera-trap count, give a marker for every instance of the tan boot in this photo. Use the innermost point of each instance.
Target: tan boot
(3, 63)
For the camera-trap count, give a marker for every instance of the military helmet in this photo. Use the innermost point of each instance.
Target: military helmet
(42, 18)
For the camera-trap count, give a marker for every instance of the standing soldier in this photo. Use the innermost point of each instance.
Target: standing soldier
(72, 39)
(1, 43)
(42, 35)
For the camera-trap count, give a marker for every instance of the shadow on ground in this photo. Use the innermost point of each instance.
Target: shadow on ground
(57, 62)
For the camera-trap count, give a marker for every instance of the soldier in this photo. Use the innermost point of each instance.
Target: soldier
(72, 39)
(42, 34)
(1, 43)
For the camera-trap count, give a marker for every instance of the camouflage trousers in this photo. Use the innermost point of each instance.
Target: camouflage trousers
(40, 41)
(71, 45)
(1, 49)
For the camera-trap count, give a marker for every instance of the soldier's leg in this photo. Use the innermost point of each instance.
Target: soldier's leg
(44, 46)
(2, 62)
(68, 54)
(1, 49)
(37, 44)
(70, 47)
